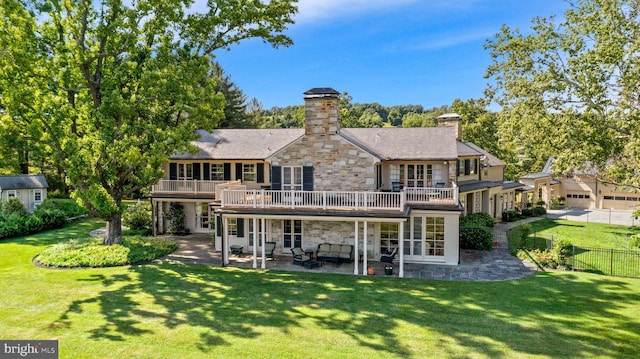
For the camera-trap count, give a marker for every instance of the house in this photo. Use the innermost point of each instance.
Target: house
(375, 189)
(30, 189)
(581, 189)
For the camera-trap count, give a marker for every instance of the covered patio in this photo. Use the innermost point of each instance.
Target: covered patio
(493, 265)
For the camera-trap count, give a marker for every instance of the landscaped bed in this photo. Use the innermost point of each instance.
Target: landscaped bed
(176, 310)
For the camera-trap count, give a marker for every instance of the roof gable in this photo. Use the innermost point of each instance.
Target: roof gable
(23, 182)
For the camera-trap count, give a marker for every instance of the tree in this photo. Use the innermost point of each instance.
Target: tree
(235, 107)
(255, 112)
(570, 88)
(111, 89)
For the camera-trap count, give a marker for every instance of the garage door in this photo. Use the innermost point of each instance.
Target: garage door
(578, 200)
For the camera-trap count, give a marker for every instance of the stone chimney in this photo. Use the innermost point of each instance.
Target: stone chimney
(322, 107)
(451, 120)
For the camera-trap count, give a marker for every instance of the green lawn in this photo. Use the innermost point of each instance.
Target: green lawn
(173, 310)
(585, 234)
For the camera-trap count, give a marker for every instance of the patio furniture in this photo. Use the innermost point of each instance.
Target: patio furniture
(235, 249)
(389, 257)
(336, 253)
(268, 250)
(298, 256)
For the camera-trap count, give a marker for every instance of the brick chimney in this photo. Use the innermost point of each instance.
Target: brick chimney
(451, 120)
(322, 107)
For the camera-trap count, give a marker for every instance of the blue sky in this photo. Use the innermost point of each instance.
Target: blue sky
(393, 52)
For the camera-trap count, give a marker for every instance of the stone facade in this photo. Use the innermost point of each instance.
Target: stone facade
(338, 164)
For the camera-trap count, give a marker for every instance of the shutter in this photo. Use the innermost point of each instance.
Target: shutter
(260, 172)
(307, 178)
(206, 172)
(276, 178)
(173, 171)
(196, 171)
(239, 171)
(227, 171)
(219, 226)
(240, 225)
(467, 170)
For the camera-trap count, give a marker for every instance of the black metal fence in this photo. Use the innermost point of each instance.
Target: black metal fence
(607, 261)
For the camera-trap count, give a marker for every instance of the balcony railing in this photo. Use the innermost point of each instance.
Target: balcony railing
(187, 186)
(339, 200)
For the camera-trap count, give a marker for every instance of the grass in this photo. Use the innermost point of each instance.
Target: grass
(583, 234)
(164, 310)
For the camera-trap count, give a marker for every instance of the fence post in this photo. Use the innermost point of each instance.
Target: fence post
(611, 261)
(573, 257)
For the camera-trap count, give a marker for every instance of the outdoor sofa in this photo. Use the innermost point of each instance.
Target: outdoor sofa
(337, 253)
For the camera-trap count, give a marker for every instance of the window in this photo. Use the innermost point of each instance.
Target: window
(37, 195)
(12, 194)
(292, 178)
(217, 172)
(608, 197)
(185, 171)
(467, 167)
(249, 172)
(434, 235)
(292, 230)
(388, 237)
(232, 226)
(394, 173)
(415, 175)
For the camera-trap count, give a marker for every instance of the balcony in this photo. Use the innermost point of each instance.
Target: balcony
(339, 200)
(199, 187)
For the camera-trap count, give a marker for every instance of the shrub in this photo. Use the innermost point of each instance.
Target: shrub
(13, 206)
(509, 216)
(527, 212)
(175, 217)
(545, 259)
(137, 216)
(13, 225)
(476, 238)
(33, 224)
(634, 241)
(562, 248)
(539, 211)
(51, 216)
(89, 252)
(480, 219)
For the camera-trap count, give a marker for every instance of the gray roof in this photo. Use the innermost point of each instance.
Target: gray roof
(511, 184)
(468, 186)
(493, 160)
(420, 143)
(536, 175)
(231, 144)
(23, 182)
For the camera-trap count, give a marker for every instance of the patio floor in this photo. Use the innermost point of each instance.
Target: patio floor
(493, 265)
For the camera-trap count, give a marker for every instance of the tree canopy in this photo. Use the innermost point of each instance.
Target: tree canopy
(569, 88)
(111, 89)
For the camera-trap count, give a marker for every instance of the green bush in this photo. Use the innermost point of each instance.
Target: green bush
(138, 216)
(480, 219)
(175, 217)
(562, 248)
(476, 238)
(634, 241)
(12, 206)
(13, 225)
(90, 252)
(509, 216)
(545, 259)
(539, 211)
(33, 224)
(51, 216)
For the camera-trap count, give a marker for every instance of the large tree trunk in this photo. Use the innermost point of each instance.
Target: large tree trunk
(114, 230)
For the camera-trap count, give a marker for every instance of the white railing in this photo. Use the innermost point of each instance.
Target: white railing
(186, 186)
(338, 200)
(432, 196)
